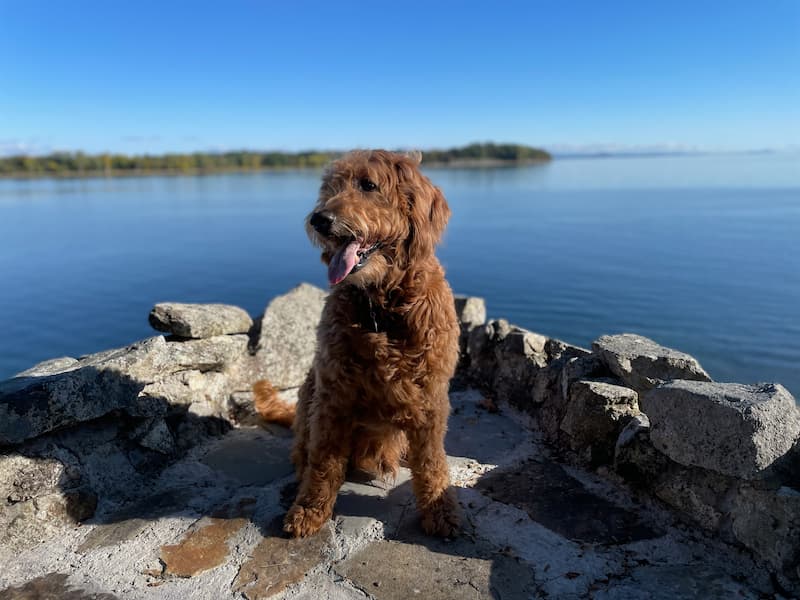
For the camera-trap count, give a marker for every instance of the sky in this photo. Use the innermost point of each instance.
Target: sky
(175, 76)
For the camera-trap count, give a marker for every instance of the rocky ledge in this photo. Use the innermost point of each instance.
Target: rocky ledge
(620, 471)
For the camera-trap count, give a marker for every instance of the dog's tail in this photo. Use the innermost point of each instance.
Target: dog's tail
(270, 406)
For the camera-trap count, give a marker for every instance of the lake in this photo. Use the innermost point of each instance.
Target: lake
(700, 253)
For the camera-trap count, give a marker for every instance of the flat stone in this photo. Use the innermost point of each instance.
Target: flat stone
(289, 336)
(733, 429)
(112, 534)
(250, 456)
(24, 478)
(53, 586)
(204, 547)
(277, 562)
(53, 366)
(547, 493)
(473, 432)
(641, 363)
(320, 587)
(668, 582)
(364, 504)
(190, 387)
(209, 354)
(199, 320)
(390, 570)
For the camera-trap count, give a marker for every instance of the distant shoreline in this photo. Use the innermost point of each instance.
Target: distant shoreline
(116, 173)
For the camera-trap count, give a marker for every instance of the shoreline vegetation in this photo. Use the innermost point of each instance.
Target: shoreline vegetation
(79, 164)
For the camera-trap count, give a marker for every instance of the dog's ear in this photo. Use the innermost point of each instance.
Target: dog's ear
(415, 156)
(428, 214)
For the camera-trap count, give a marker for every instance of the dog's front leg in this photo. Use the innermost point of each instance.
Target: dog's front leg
(328, 449)
(431, 478)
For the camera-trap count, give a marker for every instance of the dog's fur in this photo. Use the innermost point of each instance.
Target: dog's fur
(387, 345)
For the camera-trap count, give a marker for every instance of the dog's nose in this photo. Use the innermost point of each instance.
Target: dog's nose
(321, 222)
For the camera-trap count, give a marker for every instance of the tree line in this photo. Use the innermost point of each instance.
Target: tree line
(79, 163)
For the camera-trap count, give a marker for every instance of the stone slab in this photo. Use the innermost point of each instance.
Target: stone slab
(199, 320)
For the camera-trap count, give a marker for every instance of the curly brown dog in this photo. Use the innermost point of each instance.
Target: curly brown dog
(387, 344)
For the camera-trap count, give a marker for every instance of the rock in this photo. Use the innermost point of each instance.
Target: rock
(250, 457)
(205, 394)
(52, 366)
(201, 549)
(277, 562)
(38, 498)
(155, 435)
(635, 458)
(519, 355)
(595, 414)
(481, 349)
(768, 522)
(641, 363)
(209, 354)
(733, 429)
(697, 493)
(199, 320)
(471, 311)
(395, 571)
(289, 336)
(52, 586)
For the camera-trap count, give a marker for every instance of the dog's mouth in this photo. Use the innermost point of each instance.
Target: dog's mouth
(351, 255)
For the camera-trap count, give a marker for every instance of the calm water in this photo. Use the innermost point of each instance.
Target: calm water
(699, 253)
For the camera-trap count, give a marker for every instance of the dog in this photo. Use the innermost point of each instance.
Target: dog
(387, 343)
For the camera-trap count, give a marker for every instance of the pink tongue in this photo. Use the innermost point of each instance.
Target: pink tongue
(343, 262)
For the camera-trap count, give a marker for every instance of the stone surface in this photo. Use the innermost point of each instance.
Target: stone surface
(641, 363)
(53, 366)
(390, 570)
(595, 415)
(733, 429)
(53, 586)
(156, 436)
(277, 562)
(768, 522)
(199, 320)
(471, 311)
(547, 493)
(23, 478)
(203, 548)
(289, 336)
(191, 388)
(250, 456)
(698, 494)
(635, 458)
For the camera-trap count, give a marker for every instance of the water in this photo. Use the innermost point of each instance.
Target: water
(699, 253)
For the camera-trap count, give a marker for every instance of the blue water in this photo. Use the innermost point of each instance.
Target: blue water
(699, 253)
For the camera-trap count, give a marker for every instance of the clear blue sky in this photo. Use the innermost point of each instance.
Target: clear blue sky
(173, 76)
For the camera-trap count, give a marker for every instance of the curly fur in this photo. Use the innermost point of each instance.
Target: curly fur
(387, 346)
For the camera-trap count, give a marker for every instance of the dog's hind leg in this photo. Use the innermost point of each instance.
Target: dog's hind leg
(430, 476)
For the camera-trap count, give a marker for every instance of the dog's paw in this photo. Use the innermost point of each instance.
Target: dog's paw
(442, 516)
(301, 521)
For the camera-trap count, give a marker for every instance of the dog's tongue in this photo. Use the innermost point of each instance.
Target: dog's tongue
(343, 262)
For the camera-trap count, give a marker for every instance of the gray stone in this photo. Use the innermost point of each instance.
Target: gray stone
(546, 492)
(391, 570)
(641, 363)
(595, 414)
(23, 478)
(519, 354)
(53, 366)
(733, 429)
(156, 436)
(768, 522)
(471, 311)
(199, 320)
(635, 458)
(289, 336)
(205, 394)
(250, 456)
(53, 586)
(697, 493)
(209, 354)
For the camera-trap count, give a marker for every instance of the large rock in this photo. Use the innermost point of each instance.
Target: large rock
(519, 354)
(289, 336)
(641, 363)
(199, 320)
(595, 414)
(733, 429)
(635, 458)
(471, 311)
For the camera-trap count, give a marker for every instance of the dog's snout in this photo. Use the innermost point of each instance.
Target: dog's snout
(321, 222)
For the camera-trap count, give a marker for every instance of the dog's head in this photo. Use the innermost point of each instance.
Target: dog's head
(376, 214)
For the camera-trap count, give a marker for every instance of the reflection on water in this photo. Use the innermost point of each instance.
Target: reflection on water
(699, 253)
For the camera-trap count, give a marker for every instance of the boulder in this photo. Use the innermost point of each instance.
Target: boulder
(199, 320)
(289, 336)
(53, 366)
(733, 429)
(635, 458)
(641, 363)
(519, 354)
(595, 414)
(471, 312)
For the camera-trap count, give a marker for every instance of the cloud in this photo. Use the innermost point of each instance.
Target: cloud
(16, 147)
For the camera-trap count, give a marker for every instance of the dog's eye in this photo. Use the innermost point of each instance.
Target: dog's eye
(367, 185)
